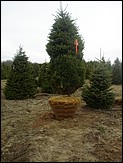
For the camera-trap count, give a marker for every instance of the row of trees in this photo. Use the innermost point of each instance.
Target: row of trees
(6, 67)
(115, 68)
(66, 71)
(21, 83)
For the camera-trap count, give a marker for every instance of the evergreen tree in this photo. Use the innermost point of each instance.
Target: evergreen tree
(68, 74)
(63, 34)
(90, 66)
(45, 78)
(20, 84)
(109, 66)
(36, 69)
(66, 66)
(117, 72)
(98, 93)
(5, 69)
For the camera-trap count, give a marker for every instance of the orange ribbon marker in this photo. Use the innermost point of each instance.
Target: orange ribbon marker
(76, 43)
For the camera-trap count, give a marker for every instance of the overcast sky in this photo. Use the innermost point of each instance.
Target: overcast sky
(29, 22)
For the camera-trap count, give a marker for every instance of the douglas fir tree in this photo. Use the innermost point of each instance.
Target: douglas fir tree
(98, 94)
(20, 84)
(64, 38)
(65, 48)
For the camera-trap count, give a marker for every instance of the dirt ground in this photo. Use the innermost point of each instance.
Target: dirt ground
(30, 133)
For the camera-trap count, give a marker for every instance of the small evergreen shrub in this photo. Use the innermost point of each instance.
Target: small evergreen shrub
(20, 84)
(98, 93)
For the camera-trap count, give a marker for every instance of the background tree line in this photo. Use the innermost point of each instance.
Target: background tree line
(41, 70)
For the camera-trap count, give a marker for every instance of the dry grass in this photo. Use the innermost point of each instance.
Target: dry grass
(117, 89)
(30, 132)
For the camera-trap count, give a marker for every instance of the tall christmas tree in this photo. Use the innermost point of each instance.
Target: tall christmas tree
(65, 48)
(20, 84)
(64, 38)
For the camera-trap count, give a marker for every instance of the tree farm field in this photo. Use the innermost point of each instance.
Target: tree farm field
(30, 132)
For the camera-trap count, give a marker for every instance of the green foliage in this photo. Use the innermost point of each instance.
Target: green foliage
(92, 65)
(67, 74)
(36, 68)
(63, 75)
(66, 70)
(35, 72)
(98, 93)
(117, 72)
(62, 37)
(20, 84)
(5, 69)
(45, 78)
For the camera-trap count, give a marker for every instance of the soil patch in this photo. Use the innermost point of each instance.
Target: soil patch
(30, 133)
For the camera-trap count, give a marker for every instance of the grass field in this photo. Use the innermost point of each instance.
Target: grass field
(30, 132)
